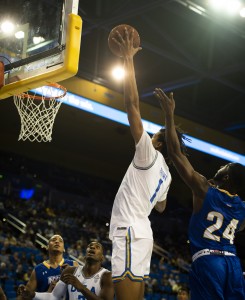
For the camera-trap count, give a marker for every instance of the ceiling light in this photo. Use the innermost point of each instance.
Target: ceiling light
(217, 4)
(7, 27)
(242, 12)
(232, 6)
(38, 39)
(118, 73)
(19, 34)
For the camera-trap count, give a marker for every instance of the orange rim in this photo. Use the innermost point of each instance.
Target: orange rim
(55, 85)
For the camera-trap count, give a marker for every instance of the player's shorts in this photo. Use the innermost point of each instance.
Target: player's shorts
(217, 277)
(131, 257)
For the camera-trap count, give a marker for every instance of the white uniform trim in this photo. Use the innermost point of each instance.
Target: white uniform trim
(210, 252)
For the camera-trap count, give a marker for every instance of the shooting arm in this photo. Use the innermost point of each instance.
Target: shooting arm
(131, 97)
(131, 100)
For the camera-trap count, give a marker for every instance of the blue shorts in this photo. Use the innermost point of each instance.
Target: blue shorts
(217, 277)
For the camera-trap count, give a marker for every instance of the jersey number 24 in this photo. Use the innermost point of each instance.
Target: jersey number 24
(228, 233)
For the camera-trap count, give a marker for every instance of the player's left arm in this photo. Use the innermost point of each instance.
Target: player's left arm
(131, 95)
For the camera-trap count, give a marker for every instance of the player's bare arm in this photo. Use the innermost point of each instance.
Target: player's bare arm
(198, 184)
(29, 288)
(131, 96)
(32, 283)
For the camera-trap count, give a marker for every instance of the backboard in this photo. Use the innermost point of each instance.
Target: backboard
(39, 43)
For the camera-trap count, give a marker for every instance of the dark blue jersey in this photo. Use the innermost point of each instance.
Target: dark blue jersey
(215, 225)
(45, 274)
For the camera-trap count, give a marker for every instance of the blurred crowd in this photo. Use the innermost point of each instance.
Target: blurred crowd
(78, 208)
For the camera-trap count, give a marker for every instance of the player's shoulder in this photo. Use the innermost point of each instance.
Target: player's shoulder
(42, 265)
(145, 138)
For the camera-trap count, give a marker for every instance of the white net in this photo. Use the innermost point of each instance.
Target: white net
(37, 113)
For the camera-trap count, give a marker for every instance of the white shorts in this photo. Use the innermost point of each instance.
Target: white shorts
(131, 257)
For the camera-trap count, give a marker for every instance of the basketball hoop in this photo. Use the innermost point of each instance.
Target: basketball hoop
(38, 110)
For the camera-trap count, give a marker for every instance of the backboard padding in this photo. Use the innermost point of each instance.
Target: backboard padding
(52, 60)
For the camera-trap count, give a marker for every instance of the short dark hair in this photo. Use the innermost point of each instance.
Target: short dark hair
(236, 174)
(181, 137)
(98, 243)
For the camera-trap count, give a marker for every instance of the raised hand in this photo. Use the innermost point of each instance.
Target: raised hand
(126, 43)
(167, 103)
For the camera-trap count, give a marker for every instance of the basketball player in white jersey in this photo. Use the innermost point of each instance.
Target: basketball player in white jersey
(90, 282)
(144, 186)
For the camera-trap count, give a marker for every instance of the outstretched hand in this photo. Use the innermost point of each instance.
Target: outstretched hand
(167, 103)
(126, 44)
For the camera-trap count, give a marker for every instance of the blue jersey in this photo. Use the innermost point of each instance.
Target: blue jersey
(45, 274)
(215, 225)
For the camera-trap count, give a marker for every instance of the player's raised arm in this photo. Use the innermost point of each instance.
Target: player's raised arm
(131, 96)
(194, 180)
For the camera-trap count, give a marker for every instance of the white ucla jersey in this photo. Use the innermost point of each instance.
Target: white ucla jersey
(92, 283)
(145, 183)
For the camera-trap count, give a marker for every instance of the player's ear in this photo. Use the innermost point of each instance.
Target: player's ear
(226, 177)
(102, 258)
(159, 146)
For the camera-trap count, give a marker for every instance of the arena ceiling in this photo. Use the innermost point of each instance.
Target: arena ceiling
(198, 57)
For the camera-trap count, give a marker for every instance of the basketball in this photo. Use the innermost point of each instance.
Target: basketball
(121, 29)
